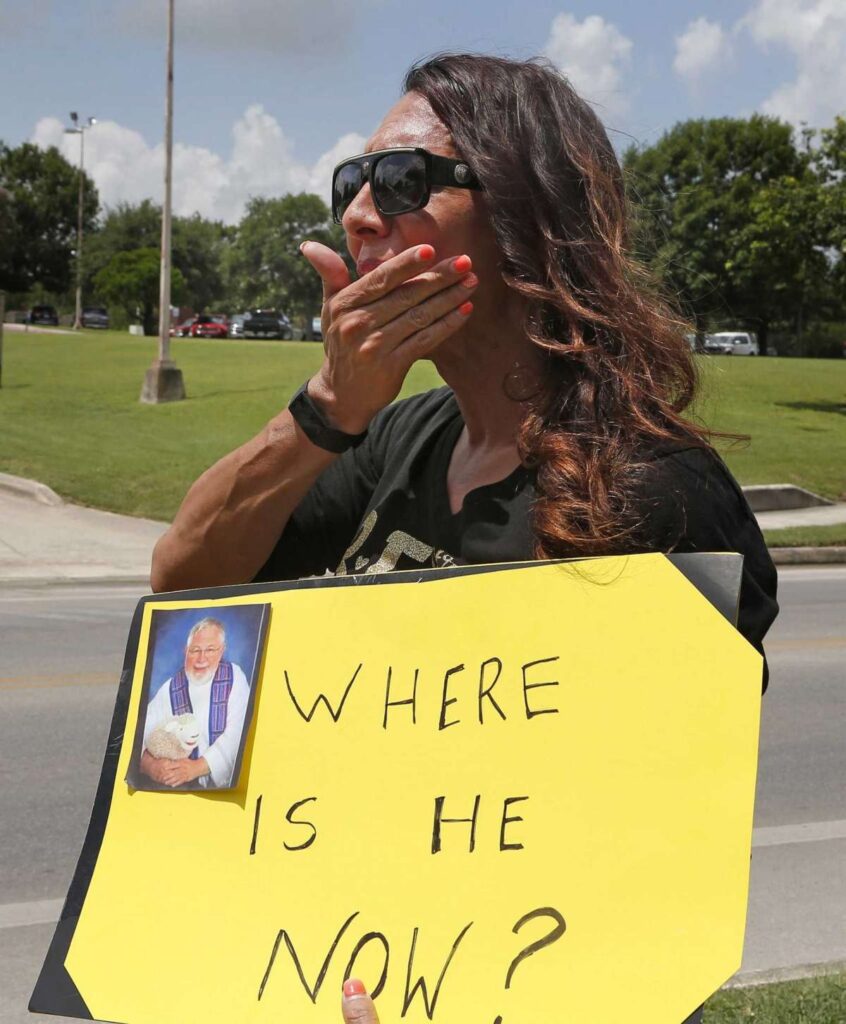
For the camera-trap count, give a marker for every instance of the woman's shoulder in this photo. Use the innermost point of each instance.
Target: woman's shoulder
(687, 490)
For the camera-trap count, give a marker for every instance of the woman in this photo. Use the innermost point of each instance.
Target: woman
(491, 238)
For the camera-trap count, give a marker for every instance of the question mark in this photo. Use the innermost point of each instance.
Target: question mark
(533, 947)
(538, 944)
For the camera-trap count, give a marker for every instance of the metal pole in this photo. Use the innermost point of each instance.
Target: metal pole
(164, 287)
(2, 319)
(163, 381)
(77, 324)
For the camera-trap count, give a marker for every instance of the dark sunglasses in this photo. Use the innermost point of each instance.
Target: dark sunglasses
(401, 179)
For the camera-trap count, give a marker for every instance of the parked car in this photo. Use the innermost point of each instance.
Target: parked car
(316, 329)
(95, 316)
(183, 329)
(210, 325)
(732, 343)
(43, 315)
(267, 323)
(236, 325)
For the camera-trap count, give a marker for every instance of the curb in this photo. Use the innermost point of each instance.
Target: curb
(772, 976)
(781, 497)
(831, 555)
(32, 489)
(33, 582)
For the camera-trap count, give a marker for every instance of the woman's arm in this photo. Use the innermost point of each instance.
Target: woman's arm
(233, 514)
(375, 328)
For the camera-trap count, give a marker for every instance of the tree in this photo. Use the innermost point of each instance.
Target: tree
(264, 264)
(196, 248)
(779, 258)
(692, 193)
(830, 165)
(131, 280)
(40, 225)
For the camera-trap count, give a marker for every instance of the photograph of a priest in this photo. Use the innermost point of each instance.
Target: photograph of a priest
(217, 693)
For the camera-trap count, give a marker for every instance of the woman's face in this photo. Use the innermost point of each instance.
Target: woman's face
(454, 221)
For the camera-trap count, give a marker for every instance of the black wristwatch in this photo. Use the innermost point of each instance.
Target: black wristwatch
(317, 428)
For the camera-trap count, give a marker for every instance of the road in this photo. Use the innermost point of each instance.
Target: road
(62, 651)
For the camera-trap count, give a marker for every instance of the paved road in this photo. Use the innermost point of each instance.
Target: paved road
(62, 650)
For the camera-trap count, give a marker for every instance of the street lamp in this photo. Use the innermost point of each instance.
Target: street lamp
(80, 130)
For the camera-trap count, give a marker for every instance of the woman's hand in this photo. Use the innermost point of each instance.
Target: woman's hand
(357, 1006)
(375, 328)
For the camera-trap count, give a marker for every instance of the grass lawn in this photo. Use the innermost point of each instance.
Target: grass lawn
(794, 411)
(70, 415)
(806, 536)
(811, 1001)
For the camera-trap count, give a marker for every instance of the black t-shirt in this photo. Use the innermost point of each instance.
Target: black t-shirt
(384, 506)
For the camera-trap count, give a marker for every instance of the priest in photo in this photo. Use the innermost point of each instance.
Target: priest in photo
(216, 692)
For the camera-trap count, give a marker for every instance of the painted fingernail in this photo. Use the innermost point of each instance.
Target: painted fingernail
(470, 281)
(462, 263)
(425, 252)
(466, 308)
(354, 987)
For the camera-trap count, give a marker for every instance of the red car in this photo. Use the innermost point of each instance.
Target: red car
(182, 330)
(210, 325)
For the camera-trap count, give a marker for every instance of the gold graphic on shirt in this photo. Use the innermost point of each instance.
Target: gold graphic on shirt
(399, 543)
(364, 532)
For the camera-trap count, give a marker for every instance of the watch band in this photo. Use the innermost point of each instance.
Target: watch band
(313, 423)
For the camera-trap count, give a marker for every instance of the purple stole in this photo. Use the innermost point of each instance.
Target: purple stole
(180, 702)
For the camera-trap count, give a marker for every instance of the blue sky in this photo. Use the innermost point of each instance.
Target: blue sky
(270, 93)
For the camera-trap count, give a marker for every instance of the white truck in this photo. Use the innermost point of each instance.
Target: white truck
(732, 343)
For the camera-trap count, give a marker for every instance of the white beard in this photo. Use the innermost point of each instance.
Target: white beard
(200, 678)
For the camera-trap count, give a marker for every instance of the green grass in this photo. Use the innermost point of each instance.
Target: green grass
(70, 415)
(806, 536)
(819, 1000)
(794, 410)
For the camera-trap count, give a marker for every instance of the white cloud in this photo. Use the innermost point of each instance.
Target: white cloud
(281, 27)
(701, 46)
(593, 54)
(815, 32)
(261, 163)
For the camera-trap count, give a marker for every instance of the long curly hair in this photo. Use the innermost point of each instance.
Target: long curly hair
(619, 369)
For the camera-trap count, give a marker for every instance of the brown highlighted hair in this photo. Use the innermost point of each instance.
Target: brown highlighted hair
(619, 370)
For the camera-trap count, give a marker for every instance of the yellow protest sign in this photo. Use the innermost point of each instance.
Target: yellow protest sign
(496, 794)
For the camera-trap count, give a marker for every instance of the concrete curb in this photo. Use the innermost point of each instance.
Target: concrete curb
(772, 976)
(831, 555)
(112, 580)
(24, 488)
(781, 497)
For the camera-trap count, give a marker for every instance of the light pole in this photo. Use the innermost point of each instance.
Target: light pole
(80, 130)
(163, 380)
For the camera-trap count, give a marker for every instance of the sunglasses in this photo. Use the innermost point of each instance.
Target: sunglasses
(401, 179)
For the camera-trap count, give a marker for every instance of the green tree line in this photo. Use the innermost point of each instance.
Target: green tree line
(742, 222)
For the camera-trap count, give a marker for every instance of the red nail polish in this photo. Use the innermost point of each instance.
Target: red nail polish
(425, 252)
(466, 309)
(354, 987)
(462, 263)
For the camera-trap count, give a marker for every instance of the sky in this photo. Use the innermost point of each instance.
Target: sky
(270, 94)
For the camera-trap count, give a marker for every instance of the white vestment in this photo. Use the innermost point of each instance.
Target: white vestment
(221, 754)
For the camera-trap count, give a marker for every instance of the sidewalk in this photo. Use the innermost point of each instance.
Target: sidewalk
(45, 539)
(41, 541)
